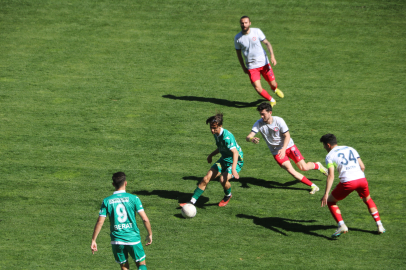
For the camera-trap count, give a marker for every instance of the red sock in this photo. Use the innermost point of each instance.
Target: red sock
(316, 166)
(335, 211)
(274, 87)
(370, 203)
(306, 181)
(265, 95)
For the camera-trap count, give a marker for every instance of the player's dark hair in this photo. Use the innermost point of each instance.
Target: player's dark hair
(264, 106)
(243, 17)
(118, 179)
(215, 119)
(329, 139)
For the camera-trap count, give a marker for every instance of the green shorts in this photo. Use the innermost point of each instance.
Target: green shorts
(121, 252)
(221, 166)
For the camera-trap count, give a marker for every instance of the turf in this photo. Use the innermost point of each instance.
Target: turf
(88, 88)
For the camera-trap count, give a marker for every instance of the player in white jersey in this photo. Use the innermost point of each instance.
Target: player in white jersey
(276, 135)
(125, 235)
(248, 43)
(351, 174)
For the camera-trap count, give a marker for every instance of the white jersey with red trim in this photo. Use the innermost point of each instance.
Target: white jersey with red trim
(345, 159)
(251, 48)
(272, 133)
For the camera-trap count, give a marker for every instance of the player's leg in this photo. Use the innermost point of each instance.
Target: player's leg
(255, 78)
(363, 192)
(125, 266)
(121, 256)
(285, 163)
(138, 254)
(268, 75)
(339, 193)
(214, 172)
(300, 177)
(225, 182)
(295, 154)
(225, 178)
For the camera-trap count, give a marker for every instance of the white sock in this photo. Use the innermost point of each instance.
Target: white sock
(341, 223)
(193, 200)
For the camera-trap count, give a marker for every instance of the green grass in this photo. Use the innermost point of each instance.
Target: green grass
(88, 88)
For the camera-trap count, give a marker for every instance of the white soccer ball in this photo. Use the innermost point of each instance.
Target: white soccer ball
(188, 210)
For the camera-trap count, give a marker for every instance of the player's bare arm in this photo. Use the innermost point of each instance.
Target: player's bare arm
(210, 157)
(147, 225)
(269, 47)
(235, 160)
(361, 164)
(282, 152)
(329, 184)
(97, 228)
(239, 55)
(251, 138)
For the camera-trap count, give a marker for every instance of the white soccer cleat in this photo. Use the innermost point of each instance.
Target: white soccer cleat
(341, 229)
(322, 169)
(381, 229)
(314, 189)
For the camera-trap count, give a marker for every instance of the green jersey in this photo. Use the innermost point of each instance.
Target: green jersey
(225, 142)
(121, 208)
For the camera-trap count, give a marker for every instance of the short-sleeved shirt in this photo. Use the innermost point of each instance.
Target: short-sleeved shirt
(250, 45)
(272, 133)
(225, 142)
(121, 208)
(345, 159)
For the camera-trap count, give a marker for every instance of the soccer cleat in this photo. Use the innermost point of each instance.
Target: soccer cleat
(322, 169)
(341, 229)
(279, 93)
(183, 204)
(225, 200)
(381, 229)
(314, 189)
(272, 103)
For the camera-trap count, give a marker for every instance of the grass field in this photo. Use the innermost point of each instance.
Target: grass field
(88, 88)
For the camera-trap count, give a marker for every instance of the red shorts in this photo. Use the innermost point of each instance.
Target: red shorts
(293, 153)
(343, 189)
(266, 72)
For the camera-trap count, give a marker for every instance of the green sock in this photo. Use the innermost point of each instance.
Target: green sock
(142, 267)
(197, 193)
(227, 191)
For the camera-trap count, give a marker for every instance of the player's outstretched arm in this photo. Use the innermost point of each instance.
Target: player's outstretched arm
(212, 154)
(329, 184)
(97, 228)
(361, 164)
(251, 138)
(239, 56)
(235, 160)
(269, 47)
(147, 225)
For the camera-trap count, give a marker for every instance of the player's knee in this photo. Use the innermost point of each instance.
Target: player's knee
(205, 180)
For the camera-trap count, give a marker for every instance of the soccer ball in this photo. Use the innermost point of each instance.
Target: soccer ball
(188, 210)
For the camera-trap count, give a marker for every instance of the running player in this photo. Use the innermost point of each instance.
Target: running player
(248, 43)
(124, 233)
(351, 174)
(276, 135)
(229, 164)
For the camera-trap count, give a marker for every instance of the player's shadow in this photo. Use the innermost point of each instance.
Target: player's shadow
(219, 101)
(174, 195)
(247, 181)
(280, 225)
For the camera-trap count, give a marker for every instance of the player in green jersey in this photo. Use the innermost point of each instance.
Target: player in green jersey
(229, 164)
(124, 233)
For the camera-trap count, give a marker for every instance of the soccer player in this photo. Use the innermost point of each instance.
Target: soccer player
(351, 174)
(248, 43)
(276, 135)
(124, 233)
(229, 164)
